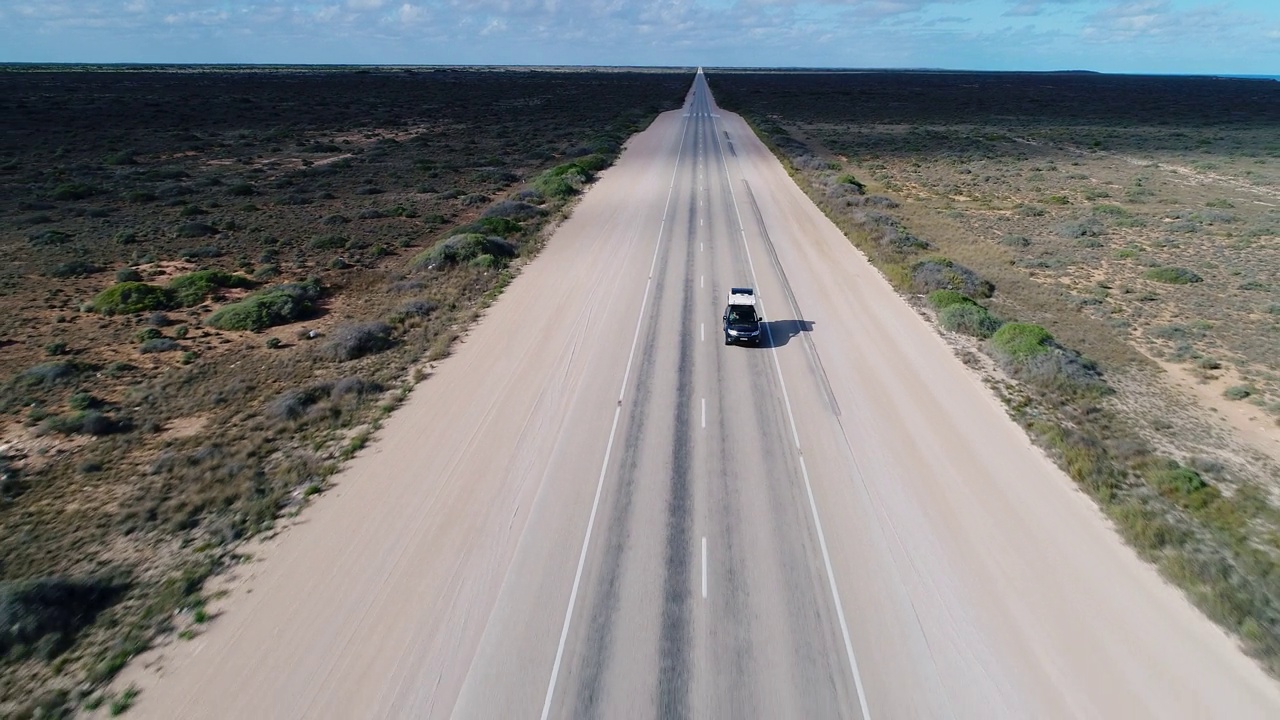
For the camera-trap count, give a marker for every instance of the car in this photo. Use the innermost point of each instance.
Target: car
(741, 320)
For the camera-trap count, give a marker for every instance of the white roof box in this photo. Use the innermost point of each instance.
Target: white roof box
(742, 296)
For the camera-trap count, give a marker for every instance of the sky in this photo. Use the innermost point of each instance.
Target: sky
(1130, 36)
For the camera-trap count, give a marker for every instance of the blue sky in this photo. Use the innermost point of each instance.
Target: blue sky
(1160, 36)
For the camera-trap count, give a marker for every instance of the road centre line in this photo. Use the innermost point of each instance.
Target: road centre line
(608, 451)
(704, 567)
(704, 412)
(795, 434)
(702, 332)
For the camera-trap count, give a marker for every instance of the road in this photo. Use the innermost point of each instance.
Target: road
(595, 508)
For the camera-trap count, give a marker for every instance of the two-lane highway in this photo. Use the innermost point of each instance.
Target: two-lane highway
(597, 509)
(707, 462)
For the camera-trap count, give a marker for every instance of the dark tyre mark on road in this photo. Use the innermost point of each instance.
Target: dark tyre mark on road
(675, 644)
(595, 658)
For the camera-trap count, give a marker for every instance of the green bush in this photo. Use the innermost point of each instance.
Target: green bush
(86, 422)
(847, 179)
(196, 229)
(49, 238)
(327, 242)
(1172, 275)
(269, 307)
(348, 342)
(83, 401)
(562, 181)
(47, 374)
(500, 226)
(74, 268)
(461, 249)
(74, 191)
(940, 299)
(159, 344)
(1238, 392)
(1021, 341)
(192, 289)
(970, 319)
(132, 297)
(594, 163)
(128, 275)
(1177, 480)
(48, 612)
(940, 273)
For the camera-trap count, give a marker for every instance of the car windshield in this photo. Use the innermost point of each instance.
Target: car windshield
(741, 314)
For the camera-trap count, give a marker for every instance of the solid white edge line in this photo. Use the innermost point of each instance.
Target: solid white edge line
(604, 465)
(804, 471)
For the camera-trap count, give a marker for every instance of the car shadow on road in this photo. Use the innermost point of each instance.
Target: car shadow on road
(779, 332)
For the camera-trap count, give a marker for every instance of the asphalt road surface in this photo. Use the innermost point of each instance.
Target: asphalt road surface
(596, 509)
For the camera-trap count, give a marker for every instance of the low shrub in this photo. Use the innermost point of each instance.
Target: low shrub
(73, 191)
(128, 275)
(132, 297)
(1085, 227)
(1172, 275)
(348, 342)
(293, 404)
(939, 273)
(353, 386)
(1239, 392)
(192, 289)
(74, 268)
(417, 308)
(159, 344)
(47, 613)
(49, 238)
(847, 179)
(327, 242)
(460, 249)
(1016, 241)
(969, 319)
(85, 422)
(1020, 342)
(83, 401)
(269, 307)
(47, 374)
(196, 229)
(940, 299)
(199, 252)
(1177, 479)
(562, 181)
(500, 226)
(593, 163)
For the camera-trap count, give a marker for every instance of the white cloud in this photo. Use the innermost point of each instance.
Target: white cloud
(198, 17)
(1158, 21)
(409, 14)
